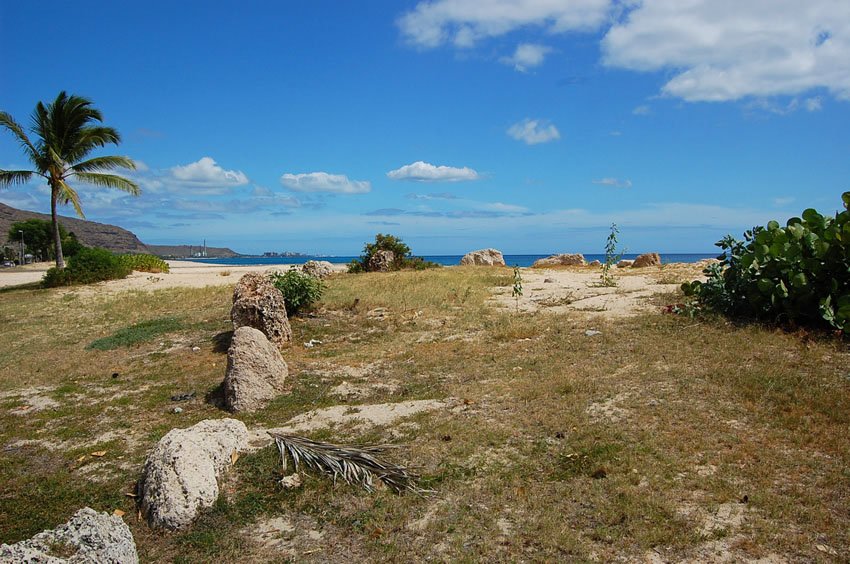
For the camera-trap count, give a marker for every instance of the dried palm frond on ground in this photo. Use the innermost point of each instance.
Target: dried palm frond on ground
(357, 465)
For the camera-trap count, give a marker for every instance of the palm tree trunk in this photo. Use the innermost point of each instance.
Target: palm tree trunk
(57, 238)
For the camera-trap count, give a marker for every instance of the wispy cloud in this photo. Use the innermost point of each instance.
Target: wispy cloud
(421, 171)
(463, 23)
(324, 182)
(438, 196)
(614, 182)
(642, 110)
(533, 131)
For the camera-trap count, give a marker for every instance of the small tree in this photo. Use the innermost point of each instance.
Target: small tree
(612, 257)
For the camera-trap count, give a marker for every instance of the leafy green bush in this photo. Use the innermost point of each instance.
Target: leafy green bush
(300, 291)
(145, 263)
(798, 273)
(87, 266)
(138, 333)
(402, 257)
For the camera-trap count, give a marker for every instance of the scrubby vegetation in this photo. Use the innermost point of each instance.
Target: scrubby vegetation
(145, 263)
(89, 265)
(797, 274)
(402, 257)
(300, 291)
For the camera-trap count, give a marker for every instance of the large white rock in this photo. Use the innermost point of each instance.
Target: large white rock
(180, 474)
(255, 371)
(560, 260)
(318, 268)
(484, 257)
(258, 304)
(94, 537)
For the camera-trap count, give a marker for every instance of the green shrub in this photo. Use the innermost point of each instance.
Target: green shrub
(402, 258)
(300, 291)
(87, 266)
(145, 263)
(799, 273)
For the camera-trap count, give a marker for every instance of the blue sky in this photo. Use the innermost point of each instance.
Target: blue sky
(528, 125)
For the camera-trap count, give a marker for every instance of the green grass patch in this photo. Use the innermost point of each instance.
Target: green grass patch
(138, 333)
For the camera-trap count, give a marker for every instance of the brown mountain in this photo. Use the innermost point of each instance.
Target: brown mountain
(89, 233)
(112, 237)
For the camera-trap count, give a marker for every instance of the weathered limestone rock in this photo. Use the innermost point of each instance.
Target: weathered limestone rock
(483, 257)
(560, 260)
(318, 268)
(381, 261)
(180, 474)
(594, 263)
(92, 536)
(255, 371)
(258, 304)
(647, 259)
(625, 263)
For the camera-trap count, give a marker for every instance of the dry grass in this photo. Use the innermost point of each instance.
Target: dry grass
(662, 436)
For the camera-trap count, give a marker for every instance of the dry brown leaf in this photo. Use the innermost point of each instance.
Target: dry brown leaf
(80, 459)
(118, 513)
(234, 456)
(131, 494)
(99, 453)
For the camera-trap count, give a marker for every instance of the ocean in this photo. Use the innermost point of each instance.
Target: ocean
(445, 260)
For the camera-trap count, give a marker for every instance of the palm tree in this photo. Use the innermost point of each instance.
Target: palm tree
(66, 131)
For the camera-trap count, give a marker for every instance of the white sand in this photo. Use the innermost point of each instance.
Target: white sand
(184, 274)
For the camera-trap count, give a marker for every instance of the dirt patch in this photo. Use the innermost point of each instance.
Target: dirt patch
(564, 290)
(358, 417)
(609, 409)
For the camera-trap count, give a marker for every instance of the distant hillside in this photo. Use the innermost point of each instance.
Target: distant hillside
(106, 236)
(186, 251)
(89, 233)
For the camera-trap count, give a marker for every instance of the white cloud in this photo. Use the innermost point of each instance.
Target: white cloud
(206, 172)
(532, 131)
(642, 110)
(421, 171)
(783, 201)
(526, 56)
(324, 182)
(727, 50)
(614, 182)
(464, 22)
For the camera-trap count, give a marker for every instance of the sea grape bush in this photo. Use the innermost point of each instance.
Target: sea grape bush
(798, 273)
(300, 291)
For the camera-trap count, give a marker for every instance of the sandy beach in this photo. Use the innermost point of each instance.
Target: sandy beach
(183, 274)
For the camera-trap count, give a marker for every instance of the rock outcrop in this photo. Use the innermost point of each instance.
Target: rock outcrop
(255, 371)
(258, 304)
(560, 260)
(88, 536)
(647, 259)
(594, 263)
(180, 474)
(318, 268)
(381, 261)
(483, 257)
(625, 263)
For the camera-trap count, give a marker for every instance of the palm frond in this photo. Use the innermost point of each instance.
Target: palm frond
(108, 181)
(7, 121)
(104, 163)
(87, 139)
(357, 465)
(69, 196)
(12, 177)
